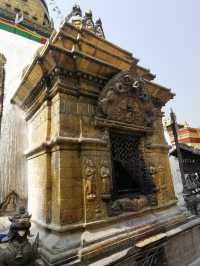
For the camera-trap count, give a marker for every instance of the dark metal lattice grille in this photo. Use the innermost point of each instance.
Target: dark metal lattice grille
(126, 161)
(125, 150)
(124, 147)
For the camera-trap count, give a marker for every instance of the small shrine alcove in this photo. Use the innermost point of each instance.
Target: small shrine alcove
(125, 110)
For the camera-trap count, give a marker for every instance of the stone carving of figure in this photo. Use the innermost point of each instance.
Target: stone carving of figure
(105, 177)
(89, 173)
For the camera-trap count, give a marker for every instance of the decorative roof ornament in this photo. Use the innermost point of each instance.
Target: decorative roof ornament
(99, 29)
(88, 22)
(75, 17)
(76, 10)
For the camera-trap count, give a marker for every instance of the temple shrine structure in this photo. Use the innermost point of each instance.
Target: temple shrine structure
(99, 184)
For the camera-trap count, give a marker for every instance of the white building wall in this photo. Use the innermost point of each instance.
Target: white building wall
(13, 167)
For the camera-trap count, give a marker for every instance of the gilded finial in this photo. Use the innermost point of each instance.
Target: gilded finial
(99, 29)
(88, 21)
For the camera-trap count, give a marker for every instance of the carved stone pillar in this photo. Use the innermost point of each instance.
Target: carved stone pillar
(157, 156)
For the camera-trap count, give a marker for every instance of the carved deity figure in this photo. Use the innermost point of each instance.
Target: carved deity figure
(153, 172)
(105, 177)
(89, 173)
(15, 248)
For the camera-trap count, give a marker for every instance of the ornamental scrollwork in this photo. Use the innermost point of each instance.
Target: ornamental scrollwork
(126, 99)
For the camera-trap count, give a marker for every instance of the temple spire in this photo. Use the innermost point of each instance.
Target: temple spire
(88, 22)
(99, 29)
(76, 18)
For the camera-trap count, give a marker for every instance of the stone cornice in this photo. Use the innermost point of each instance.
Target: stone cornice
(123, 126)
(48, 146)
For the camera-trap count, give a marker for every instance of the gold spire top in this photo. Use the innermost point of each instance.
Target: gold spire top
(32, 14)
(86, 21)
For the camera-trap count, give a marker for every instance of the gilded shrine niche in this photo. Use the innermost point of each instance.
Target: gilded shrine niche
(125, 109)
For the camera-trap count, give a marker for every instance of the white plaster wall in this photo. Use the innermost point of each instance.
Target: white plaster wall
(13, 166)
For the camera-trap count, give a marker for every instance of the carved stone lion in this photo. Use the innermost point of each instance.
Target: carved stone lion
(15, 248)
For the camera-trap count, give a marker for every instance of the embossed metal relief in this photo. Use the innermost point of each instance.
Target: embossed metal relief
(126, 99)
(105, 175)
(89, 174)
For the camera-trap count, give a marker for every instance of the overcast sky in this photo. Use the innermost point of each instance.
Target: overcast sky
(164, 35)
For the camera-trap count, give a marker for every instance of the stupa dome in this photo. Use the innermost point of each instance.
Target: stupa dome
(34, 14)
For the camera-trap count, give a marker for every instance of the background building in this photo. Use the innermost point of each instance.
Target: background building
(24, 27)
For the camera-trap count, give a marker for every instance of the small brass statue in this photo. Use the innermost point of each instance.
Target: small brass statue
(15, 248)
(89, 173)
(105, 177)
